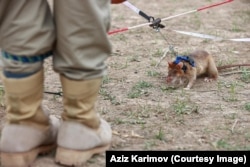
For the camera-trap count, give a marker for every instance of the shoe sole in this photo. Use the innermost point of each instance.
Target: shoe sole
(70, 157)
(24, 159)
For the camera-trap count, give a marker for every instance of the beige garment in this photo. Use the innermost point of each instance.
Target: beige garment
(82, 41)
(77, 35)
(26, 28)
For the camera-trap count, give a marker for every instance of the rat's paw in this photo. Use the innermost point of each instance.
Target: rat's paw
(187, 88)
(208, 79)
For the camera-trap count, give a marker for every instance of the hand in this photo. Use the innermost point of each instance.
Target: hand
(117, 1)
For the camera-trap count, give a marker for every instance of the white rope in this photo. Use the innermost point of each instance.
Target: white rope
(205, 36)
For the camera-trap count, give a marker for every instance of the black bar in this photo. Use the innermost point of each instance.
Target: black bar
(177, 158)
(144, 15)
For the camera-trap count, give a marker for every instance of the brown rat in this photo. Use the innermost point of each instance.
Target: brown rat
(192, 66)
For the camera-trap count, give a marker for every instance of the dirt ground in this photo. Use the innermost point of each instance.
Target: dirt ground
(147, 114)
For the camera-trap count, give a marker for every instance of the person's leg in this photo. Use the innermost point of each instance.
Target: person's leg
(26, 38)
(82, 47)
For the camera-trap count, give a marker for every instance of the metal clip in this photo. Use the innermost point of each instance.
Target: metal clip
(156, 24)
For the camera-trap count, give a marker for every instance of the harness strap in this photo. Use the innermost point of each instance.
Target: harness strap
(186, 59)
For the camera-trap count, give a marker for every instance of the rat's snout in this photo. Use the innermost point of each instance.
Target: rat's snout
(169, 79)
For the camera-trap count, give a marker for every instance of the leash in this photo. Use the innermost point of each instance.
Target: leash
(138, 11)
(144, 15)
(164, 19)
(155, 23)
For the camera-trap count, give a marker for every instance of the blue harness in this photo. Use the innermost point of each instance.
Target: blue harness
(186, 59)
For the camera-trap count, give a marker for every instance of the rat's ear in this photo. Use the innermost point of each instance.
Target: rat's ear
(180, 65)
(171, 64)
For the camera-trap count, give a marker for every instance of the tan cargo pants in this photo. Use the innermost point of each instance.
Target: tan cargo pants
(77, 35)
